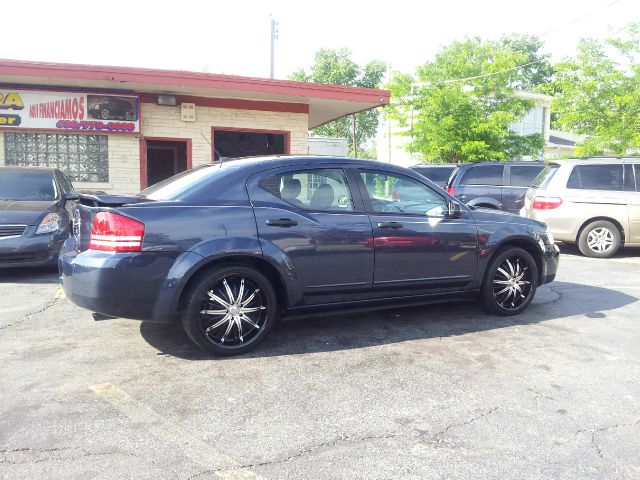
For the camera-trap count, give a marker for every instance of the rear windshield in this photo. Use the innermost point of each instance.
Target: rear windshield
(178, 186)
(27, 186)
(545, 176)
(438, 175)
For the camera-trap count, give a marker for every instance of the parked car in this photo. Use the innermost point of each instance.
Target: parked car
(438, 173)
(227, 248)
(113, 108)
(34, 215)
(497, 185)
(594, 202)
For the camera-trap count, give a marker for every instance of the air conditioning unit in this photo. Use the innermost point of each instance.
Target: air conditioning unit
(188, 112)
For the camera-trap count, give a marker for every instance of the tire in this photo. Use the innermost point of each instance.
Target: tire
(235, 327)
(510, 282)
(104, 114)
(600, 239)
(128, 115)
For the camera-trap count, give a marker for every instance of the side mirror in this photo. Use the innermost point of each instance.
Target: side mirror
(454, 210)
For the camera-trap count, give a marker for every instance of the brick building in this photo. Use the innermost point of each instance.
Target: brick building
(121, 129)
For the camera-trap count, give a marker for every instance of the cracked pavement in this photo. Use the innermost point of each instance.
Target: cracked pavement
(432, 392)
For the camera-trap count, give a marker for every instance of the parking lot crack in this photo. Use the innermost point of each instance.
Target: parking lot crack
(311, 449)
(59, 294)
(442, 432)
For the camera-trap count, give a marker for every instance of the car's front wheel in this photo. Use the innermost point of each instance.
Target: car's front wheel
(510, 282)
(229, 310)
(105, 114)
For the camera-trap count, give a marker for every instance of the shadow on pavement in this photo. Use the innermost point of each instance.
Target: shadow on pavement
(358, 330)
(572, 249)
(30, 275)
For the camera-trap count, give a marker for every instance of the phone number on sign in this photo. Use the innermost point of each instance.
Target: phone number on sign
(96, 126)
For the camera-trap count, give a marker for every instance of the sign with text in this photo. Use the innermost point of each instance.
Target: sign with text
(69, 111)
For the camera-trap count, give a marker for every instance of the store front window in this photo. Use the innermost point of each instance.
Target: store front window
(84, 158)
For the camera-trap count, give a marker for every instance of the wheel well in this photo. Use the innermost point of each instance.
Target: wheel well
(606, 219)
(528, 246)
(259, 264)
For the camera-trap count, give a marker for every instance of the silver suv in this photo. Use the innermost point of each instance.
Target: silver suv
(594, 202)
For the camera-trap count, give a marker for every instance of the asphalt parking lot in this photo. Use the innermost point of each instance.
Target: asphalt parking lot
(434, 392)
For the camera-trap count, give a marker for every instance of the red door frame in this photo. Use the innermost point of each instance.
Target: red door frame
(143, 155)
(286, 133)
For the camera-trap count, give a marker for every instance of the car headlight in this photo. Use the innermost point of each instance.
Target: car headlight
(49, 224)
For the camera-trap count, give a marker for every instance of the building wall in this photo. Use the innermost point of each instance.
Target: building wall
(162, 121)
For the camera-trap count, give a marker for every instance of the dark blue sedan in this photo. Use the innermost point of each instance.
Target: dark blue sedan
(34, 215)
(228, 248)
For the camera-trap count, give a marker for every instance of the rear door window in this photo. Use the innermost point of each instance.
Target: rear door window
(483, 175)
(596, 177)
(523, 175)
(323, 189)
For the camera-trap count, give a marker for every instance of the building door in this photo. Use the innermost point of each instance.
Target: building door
(164, 159)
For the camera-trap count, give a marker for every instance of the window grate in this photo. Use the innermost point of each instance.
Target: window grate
(84, 158)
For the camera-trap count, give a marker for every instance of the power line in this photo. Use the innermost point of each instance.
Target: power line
(571, 22)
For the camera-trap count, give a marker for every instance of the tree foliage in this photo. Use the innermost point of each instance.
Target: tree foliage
(459, 107)
(336, 67)
(599, 94)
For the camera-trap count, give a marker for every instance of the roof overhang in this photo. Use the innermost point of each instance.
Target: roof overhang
(326, 102)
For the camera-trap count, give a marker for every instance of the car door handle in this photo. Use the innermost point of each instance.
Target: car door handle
(389, 225)
(281, 222)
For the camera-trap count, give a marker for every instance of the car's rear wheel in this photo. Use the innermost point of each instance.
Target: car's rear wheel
(229, 310)
(128, 115)
(599, 239)
(510, 282)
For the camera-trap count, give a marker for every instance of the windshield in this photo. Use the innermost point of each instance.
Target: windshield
(545, 176)
(27, 186)
(176, 187)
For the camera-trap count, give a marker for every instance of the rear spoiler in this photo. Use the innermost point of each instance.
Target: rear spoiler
(97, 200)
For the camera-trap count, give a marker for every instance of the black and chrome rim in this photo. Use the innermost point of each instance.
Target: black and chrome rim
(512, 283)
(600, 239)
(232, 311)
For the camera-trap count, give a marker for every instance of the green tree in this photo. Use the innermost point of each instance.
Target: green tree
(336, 67)
(536, 71)
(599, 94)
(459, 107)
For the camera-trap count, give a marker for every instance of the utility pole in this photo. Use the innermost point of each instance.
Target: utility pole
(274, 37)
(353, 135)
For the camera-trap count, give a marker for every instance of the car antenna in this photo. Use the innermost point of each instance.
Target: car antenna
(221, 159)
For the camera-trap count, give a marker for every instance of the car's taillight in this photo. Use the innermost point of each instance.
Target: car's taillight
(116, 233)
(546, 203)
(451, 191)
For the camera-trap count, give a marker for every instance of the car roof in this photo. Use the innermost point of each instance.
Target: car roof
(48, 170)
(258, 163)
(437, 165)
(586, 160)
(506, 162)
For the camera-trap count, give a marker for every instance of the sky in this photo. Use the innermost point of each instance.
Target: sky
(234, 37)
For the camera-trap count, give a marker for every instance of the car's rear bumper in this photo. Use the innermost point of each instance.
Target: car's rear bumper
(124, 285)
(30, 250)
